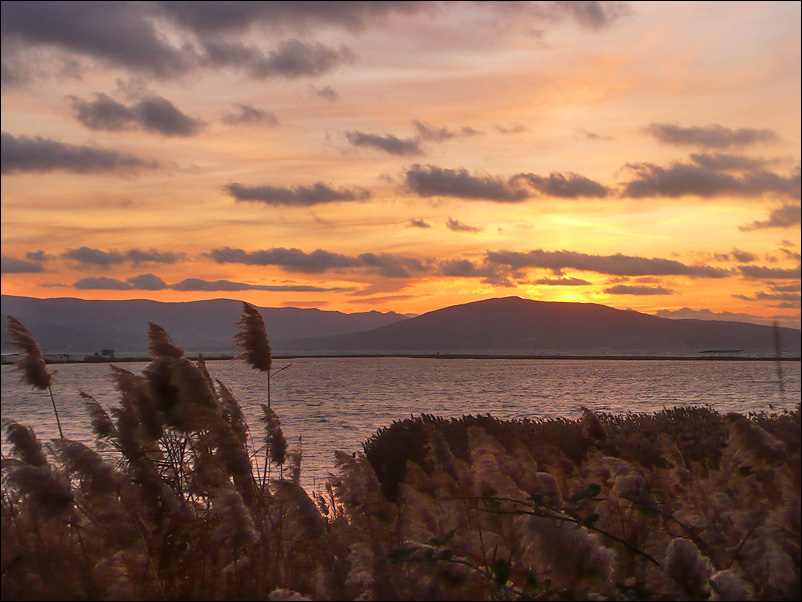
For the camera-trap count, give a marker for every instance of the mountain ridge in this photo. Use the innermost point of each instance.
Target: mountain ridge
(506, 325)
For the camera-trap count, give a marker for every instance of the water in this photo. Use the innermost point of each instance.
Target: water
(338, 403)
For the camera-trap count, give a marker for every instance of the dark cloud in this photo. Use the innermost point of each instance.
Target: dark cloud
(119, 33)
(38, 256)
(434, 134)
(291, 260)
(728, 162)
(393, 266)
(24, 154)
(694, 179)
(387, 143)
(300, 196)
(11, 265)
(292, 59)
(614, 265)
(736, 255)
(458, 226)
(418, 223)
(99, 258)
(326, 93)
(296, 260)
(102, 283)
(464, 268)
(429, 180)
(709, 136)
(562, 282)
(153, 114)
(151, 282)
(756, 272)
(786, 216)
(205, 17)
(558, 185)
(593, 15)
(147, 282)
(764, 296)
(197, 284)
(248, 115)
(623, 289)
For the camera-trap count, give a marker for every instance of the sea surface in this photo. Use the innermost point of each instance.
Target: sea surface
(333, 404)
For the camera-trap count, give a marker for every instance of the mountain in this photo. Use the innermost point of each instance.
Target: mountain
(77, 326)
(515, 325)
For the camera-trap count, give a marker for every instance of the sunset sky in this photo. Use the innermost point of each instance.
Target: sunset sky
(405, 156)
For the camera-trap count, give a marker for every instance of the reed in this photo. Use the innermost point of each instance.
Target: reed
(171, 504)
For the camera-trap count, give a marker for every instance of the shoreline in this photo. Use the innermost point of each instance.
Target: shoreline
(447, 356)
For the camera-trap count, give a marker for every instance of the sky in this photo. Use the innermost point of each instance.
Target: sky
(405, 156)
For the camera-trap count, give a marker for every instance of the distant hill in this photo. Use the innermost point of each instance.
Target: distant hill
(77, 326)
(515, 325)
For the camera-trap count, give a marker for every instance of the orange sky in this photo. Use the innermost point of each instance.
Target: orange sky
(405, 156)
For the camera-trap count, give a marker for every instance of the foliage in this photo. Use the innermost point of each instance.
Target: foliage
(175, 502)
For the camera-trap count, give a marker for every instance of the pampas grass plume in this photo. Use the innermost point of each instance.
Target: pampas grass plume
(253, 339)
(32, 363)
(160, 343)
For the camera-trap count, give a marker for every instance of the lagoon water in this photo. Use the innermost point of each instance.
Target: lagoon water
(338, 403)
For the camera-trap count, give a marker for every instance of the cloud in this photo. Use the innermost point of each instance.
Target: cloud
(102, 283)
(429, 180)
(11, 265)
(291, 260)
(764, 296)
(151, 282)
(457, 226)
(197, 284)
(96, 257)
(623, 289)
(326, 93)
(417, 223)
(558, 185)
(785, 216)
(614, 265)
(147, 282)
(433, 134)
(736, 255)
(393, 266)
(300, 196)
(296, 260)
(515, 128)
(118, 33)
(292, 59)
(709, 136)
(562, 282)
(387, 143)
(24, 154)
(249, 115)
(593, 136)
(700, 179)
(756, 272)
(152, 114)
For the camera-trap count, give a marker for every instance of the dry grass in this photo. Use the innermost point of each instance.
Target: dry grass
(176, 502)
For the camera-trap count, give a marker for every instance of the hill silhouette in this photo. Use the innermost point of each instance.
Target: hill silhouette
(516, 325)
(78, 326)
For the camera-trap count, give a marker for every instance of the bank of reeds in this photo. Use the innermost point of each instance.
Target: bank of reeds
(175, 502)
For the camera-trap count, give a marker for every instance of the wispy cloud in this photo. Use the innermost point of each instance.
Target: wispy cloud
(625, 289)
(430, 180)
(457, 226)
(387, 143)
(151, 282)
(87, 256)
(709, 136)
(250, 115)
(785, 216)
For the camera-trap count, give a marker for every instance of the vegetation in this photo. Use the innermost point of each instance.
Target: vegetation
(179, 499)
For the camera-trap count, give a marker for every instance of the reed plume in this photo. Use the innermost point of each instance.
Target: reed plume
(160, 343)
(25, 444)
(253, 339)
(32, 364)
